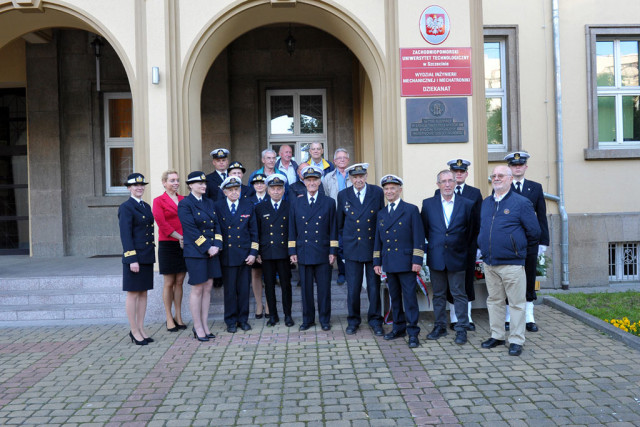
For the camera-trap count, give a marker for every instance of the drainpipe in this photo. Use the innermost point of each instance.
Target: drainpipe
(564, 233)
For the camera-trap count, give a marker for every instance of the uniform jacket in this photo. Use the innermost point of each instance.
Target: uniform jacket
(507, 227)
(239, 232)
(447, 247)
(313, 231)
(399, 241)
(213, 185)
(533, 191)
(254, 198)
(200, 226)
(357, 222)
(165, 212)
(330, 182)
(136, 232)
(273, 229)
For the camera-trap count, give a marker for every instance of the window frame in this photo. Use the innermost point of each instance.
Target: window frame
(296, 139)
(110, 142)
(619, 261)
(595, 150)
(507, 35)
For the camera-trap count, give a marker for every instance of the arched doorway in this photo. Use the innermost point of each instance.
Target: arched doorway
(369, 95)
(60, 187)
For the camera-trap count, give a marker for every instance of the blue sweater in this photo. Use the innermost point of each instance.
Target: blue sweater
(506, 227)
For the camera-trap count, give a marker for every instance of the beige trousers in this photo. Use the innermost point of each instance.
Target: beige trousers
(506, 281)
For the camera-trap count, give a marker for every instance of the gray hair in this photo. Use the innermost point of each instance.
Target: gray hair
(442, 172)
(340, 150)
(268, 150)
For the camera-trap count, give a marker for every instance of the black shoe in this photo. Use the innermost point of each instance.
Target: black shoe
(178, 325)
(515, 350)
(149, 339)
(492, 342)
(461, 337)
(199, 338)
(245, 326)
(506, 326)
(438, 331)
(453, 326)
(377, 330)
(174, 329)
(351, 330)
(288, 321)
(271, 322)
(259, 316)
(414, 341)
(232, 329)
(210, 335)
(471, 327)
(395, 334)
(306, 326)
(326, 327)
(532, 327)
(134, 340)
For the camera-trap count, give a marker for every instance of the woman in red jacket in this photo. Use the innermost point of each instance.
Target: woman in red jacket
(170, 244)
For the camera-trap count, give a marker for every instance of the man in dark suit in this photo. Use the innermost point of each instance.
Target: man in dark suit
(533, 191)
(460, 167)
(220, 160)
(358, 208)
(313, 244)
(447, 225)
(240, 248)
(272, 215)
(399, 250)
(298, 189)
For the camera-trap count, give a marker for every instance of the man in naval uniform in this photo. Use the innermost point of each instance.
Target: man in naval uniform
(220, 160)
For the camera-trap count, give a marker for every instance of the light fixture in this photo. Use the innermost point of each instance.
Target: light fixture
(290, 42)
(155, 75)
(97, 44)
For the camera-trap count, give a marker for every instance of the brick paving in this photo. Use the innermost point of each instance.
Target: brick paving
(568, 374)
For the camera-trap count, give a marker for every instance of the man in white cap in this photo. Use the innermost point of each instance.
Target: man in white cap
(399, 250)
(533, 191)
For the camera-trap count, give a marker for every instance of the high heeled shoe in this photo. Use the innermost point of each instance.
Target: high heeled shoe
(134, 340)
(149, 339)
(174, 329)
(178, 325)
(210, 335)
(195, 335)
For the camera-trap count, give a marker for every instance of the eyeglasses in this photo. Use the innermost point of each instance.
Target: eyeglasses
(499, 176)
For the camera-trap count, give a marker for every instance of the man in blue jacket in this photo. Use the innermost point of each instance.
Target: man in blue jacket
(508, 224)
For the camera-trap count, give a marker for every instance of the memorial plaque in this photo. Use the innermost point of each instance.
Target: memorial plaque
(437, 120)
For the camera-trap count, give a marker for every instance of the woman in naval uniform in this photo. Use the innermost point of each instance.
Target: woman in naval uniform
(202, 243)
(136, 233)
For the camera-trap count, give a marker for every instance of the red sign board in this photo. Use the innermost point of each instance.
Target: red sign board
(436, 71)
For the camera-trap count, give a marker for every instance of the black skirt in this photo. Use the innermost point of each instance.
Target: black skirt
(170, 257)
(203, 269)
(136, 282)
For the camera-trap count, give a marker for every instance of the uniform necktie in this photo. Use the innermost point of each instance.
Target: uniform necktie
(518, 188)
(224, 175)
(458, 191)
(233, 208)
(275, 206)
(311, 201)
(359, 199)
(141, 203)
(392, 209)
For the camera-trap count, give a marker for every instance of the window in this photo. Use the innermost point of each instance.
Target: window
(501, 91)
(614, 93)
(118, 129)
(297, 118)
(623, 262)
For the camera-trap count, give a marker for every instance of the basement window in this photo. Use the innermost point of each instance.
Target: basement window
(623, 262)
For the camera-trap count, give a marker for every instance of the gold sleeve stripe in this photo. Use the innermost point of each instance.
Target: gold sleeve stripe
(418, 252)
(334, 243)
(292, 243)
(200, 240)
(254, 245)
(129, 253)
(376, 254)
(218, 237)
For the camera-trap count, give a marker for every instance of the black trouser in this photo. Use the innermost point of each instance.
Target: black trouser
(354, 274)
(402, 290)
(281, 267)
(469, 276)
(530, 268)
(322, 275)
(237, 282)
(442, 282)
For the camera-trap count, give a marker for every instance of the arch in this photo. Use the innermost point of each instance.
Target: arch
(242, 17)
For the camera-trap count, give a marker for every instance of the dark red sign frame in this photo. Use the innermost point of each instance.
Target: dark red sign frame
(442, 71)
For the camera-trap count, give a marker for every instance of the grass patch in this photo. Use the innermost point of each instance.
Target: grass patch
(608, 306)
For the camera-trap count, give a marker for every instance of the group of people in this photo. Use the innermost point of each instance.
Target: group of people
(318, 213)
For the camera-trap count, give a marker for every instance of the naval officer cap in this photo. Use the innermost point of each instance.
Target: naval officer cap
(517, 158)
(135, 179)
(276, 179)
(458, 164)
(259, 177)
(230, 182)
(236, 165)
(196, 176)
(219, 153)
(391, 179)
(358, 169)
(312, 171)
